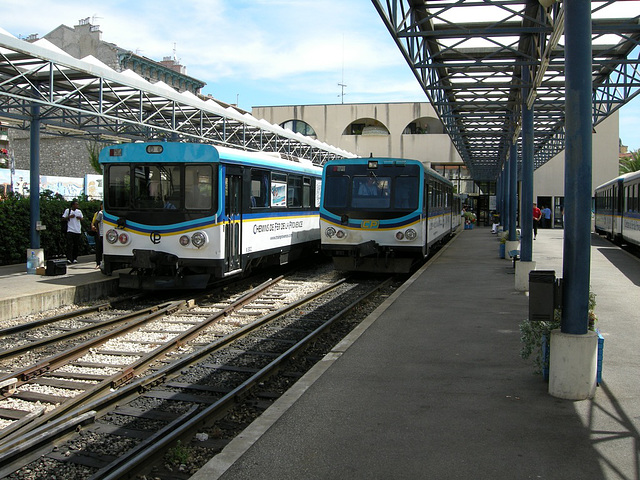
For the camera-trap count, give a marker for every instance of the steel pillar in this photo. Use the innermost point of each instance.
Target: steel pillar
(34, 178)
(513, 191)
(526, 211)
(576, 263)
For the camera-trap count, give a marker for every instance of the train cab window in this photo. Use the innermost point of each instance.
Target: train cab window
(260, 183)
(294, 191)
(336, 192)
(198, 187)
(157, 187)
(118, 179)
(370, 192)
(406, 193)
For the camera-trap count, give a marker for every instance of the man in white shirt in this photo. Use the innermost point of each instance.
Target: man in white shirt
(73, 215)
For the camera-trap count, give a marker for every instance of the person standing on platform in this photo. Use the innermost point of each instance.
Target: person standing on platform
(537, 214)
(73, 216)
(96, 227)
(546, 213)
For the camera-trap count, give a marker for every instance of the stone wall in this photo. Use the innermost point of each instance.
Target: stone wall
(60, 156)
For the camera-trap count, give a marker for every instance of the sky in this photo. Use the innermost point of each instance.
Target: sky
(258, 52)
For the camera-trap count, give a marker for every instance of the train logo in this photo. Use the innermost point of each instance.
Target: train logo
(155, 238)
(370, 224)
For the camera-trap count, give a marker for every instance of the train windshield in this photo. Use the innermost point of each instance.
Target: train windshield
(161, 187)
(366, 191)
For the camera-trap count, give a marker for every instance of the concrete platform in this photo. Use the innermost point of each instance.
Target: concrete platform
(432, 386)
(24, 294)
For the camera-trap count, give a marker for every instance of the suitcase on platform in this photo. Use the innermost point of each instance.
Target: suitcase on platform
(56, 266)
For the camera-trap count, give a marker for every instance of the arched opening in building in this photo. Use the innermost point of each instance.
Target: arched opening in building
(422, 126)
(298, 126)
(366, 126)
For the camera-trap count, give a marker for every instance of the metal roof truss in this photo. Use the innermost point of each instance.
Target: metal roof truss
(469, 56)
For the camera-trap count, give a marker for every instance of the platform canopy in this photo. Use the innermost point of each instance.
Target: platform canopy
(87, 99)
(468, 57)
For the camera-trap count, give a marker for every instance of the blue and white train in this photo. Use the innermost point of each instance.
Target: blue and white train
(617, 209)
(384, 214)
(182, 214)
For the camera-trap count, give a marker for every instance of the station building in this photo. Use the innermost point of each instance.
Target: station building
(413, 130)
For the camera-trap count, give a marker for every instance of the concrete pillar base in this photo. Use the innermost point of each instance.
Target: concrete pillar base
(573, 364)
(508, 246)
(522, 275)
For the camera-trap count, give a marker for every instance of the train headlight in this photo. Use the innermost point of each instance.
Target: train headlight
(123, 238)
(410, 234)
(341, 234)
(199, 239)
(399, 236)
(112, 236)
(184, 240)
(330, 232)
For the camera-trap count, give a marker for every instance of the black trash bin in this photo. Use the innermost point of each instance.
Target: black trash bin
(542, 292)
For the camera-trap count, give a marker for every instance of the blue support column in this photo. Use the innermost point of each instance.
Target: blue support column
(34, 179)
(577, 185)
(526, 213)
(513, 191)
(507, 196)
(503, 195)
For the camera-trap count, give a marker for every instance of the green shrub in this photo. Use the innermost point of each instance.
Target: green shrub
(532, 333)
(15, 222)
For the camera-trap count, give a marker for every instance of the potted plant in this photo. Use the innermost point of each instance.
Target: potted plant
(535, 338)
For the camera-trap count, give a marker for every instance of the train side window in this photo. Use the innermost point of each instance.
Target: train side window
(294, 191)
(260, 183)
(306, 192)
(278, 189)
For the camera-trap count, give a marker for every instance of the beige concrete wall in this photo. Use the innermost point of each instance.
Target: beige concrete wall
(330, 122)
(548, 180)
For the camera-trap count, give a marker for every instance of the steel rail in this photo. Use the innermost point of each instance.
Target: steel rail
(39, 437)
(21, 428)
(64, 316)
(15, 351)
(132, 461)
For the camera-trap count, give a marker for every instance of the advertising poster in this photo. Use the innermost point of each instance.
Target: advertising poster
(278, 194)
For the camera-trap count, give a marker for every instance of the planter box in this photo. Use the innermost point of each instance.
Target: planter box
(545, 357)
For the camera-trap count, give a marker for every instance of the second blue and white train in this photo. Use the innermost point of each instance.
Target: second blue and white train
(384, 214)
(617, 209)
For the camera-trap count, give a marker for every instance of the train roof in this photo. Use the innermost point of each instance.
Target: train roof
(364, 160)
(627, 177)
(198, 152)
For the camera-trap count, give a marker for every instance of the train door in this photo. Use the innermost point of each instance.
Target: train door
(233, 220)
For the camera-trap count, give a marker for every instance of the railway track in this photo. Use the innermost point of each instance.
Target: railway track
(159, 410)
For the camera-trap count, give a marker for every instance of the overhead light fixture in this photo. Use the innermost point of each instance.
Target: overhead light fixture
(11, 121)
(59, 129)
(114, 138)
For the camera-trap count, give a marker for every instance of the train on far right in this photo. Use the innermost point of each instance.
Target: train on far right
(617, 209)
